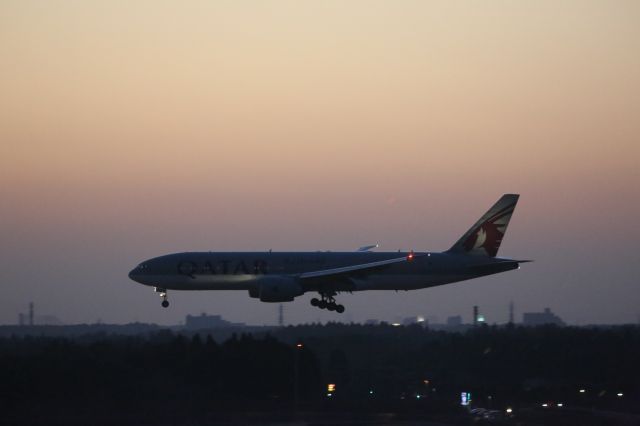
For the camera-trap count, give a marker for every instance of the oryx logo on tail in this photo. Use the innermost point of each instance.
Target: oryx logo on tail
(485, 236)
(488, 236)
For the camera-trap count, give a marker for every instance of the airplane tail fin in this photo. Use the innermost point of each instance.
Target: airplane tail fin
(484, 238)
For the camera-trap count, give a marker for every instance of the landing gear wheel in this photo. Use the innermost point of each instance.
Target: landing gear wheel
(327, 301)
(163, 294)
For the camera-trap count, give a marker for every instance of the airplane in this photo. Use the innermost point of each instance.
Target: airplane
(283, 276)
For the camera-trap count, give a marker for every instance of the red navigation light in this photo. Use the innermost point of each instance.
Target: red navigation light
(410, 255)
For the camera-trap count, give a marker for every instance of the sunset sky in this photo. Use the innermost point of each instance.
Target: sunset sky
(134, 129)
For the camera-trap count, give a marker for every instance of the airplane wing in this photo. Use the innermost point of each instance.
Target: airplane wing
(335, 272)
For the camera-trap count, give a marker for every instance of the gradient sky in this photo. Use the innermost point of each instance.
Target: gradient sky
(134, 129)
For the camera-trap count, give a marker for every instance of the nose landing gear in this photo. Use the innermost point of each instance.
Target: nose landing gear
(163, 294)
(327, 302)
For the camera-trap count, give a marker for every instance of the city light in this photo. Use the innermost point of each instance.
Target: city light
(545, 405)
(509, 410)
(582, 390)
(396, 324)
(560, 404)
(331, 387)
(620, 394)
(465, 398)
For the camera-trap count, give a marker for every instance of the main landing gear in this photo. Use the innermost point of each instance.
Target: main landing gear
(327, 302)
(163, 294)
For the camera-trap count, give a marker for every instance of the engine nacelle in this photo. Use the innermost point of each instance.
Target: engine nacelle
(276, 289)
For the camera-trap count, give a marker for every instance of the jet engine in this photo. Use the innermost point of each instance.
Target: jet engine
(276, 289)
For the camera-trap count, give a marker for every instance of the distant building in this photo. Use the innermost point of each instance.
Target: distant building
(540, 318)
(454, 321)
(197, 322)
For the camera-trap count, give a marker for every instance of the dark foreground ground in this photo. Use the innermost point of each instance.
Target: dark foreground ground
(382, 375)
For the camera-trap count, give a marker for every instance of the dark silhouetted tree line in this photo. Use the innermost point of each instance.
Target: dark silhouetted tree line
(165, 375)
(510, 364)
(171, 376)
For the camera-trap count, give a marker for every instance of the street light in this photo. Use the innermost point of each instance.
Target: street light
(296, 373)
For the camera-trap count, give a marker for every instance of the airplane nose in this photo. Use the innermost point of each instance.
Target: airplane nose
(133, 274)
(141, 274)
